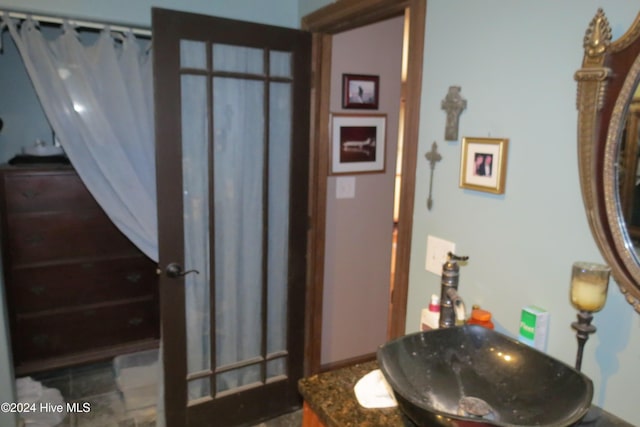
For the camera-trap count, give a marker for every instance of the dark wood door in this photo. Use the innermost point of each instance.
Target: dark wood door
(232, 117)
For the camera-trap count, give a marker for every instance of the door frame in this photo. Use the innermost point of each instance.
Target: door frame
(341, 16)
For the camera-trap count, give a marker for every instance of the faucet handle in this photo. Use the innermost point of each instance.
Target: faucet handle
(455, 257)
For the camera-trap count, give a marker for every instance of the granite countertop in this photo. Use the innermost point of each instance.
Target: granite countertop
(330, 395)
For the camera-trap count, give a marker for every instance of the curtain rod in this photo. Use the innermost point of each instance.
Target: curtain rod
(78, 22)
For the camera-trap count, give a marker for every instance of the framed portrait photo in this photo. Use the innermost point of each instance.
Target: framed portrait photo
(483, 164)
(357, 143)
(360, 91)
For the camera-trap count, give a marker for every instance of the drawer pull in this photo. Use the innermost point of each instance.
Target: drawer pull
(37, 290)
(135, 321)
(40, 340)
(30, 194)
(34, 239)
(134, 277)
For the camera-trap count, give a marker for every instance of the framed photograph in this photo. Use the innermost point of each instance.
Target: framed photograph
(360, 91)
(483, 164)
(357, 143)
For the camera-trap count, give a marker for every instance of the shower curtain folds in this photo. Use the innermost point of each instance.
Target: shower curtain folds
(99, 102)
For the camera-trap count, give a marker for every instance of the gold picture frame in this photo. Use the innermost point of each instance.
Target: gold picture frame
(483, 164)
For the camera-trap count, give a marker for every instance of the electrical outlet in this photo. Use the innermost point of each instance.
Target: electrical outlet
(437, 250)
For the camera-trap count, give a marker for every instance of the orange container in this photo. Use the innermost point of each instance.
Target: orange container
(480, 317)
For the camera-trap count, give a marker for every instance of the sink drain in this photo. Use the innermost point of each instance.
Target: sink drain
(473, 406)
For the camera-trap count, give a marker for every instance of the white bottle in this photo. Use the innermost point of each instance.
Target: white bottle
(430, 317)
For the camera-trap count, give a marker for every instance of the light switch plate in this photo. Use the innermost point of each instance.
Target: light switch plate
(345, 187)
(437, 250)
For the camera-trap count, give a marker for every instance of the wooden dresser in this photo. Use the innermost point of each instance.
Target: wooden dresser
(77, 290)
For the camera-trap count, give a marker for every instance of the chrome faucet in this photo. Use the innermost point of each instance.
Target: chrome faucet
(451, 305)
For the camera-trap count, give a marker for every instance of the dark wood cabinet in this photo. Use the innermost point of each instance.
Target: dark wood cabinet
(77, 290)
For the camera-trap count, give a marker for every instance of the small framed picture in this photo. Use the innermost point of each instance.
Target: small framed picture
(360, 91)
(357, 143)
(483, 164)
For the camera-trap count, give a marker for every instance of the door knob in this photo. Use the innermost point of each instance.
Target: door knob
(174, 270)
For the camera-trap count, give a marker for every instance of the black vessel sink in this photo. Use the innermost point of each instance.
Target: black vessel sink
(471, 376)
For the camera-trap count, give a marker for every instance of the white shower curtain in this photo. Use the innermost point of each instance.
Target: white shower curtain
(99, 102)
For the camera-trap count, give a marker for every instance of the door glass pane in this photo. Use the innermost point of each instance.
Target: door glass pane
(278, 236)
(196, 223)
(280, 64)
(239, 378)
(276, 368)
(238, 159)
(199, 388)
(193, 54)
(238, 59)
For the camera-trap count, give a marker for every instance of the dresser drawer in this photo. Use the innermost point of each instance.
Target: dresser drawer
(43, 192)
(60, 236)
(53, 287)
(42, 337)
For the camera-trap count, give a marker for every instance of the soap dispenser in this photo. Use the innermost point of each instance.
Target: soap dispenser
(431, 315)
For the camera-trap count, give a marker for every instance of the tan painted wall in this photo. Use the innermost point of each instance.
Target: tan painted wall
(359, 230)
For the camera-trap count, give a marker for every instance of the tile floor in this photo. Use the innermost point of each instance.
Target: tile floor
(96, 384)
(293, 419)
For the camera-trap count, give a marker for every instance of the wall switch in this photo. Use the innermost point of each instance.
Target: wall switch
(345, 187)
(437, 250)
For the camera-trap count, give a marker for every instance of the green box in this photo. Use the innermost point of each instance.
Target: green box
(534, 325)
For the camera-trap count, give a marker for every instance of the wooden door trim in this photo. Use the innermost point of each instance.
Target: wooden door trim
(337, 17)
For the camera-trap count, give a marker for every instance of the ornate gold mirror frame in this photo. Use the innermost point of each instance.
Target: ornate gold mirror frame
(607, 82)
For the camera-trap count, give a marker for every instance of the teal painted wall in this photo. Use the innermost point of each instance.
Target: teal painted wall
(284, 13)
(515, 62)
(20, 110)
(308, 6)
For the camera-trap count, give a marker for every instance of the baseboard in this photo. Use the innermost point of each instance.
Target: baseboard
(347, 362)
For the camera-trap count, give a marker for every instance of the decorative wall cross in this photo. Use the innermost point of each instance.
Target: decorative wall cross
(433, 156)
(453, 104)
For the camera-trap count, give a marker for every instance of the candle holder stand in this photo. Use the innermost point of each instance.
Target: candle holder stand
(583, 328)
